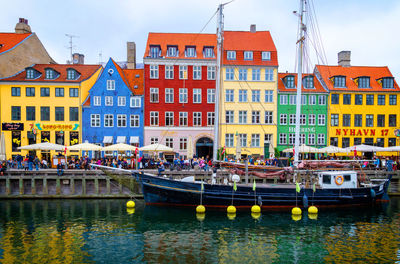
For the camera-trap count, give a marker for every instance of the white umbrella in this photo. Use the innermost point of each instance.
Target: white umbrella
(190, 148)
(392, 149)
(85, 146)
(157, 148)
(43, 146)
(2, 147)
(119, 147)
(365, 148)
(304, 149)
(333, 149)
(238, 148)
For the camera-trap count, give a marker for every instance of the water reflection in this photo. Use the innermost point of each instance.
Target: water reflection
(104, 231)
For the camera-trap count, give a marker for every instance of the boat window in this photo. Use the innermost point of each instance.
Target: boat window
(347, 178)
(326, 179)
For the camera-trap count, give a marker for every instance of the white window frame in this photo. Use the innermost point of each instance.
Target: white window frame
(269, 96)
(183, 95)
(229, 117)
(153, 71)
(169, 142)
(211, 96)
(312, 100)
(283, 119)
(97, 100)
(135, 101)
(292, 99)
(134, 121)
(243, 74)
(269, 74)
(282, 139)
(154, 118)
(321, 100)
(169, 95)
(169, 72)
(183, 142)
(229, 96)
(242, 117)
(211, 72)
(321, 120)
(256, 96)
(229, 140)
(208, 52)
(243, 96)
(321, 139)
(229, 74)
(266, 55)
(255, 140)
(110, 85)
(154, 140)
(243, 140)
(197, 72)
(231, 55)
(255, 117)
(169, 115)
(121, 120)
(190, 52)
(292, 139)
(183, 119)
(269, 117)
(108, 120)
(311, 119)
(248, 55)
(121, 100)
(283, 99)
(255, 74)
(292, 119)
(311, 139)
(95, 120)
(197, 96)
(183, 72)
(108, 101)
(196, 118)
(154, 95)
(303, 119)
(210, 118)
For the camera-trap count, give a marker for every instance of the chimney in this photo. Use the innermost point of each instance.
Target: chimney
(253, 28)
(344, 58)
(22, 26)
(131, 55)
(78, 58)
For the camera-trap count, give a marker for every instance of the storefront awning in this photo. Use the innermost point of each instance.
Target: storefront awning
(133, 140)
(121, 139)
(108, 140)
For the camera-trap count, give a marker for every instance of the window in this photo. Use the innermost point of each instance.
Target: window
(73, 114)
(304, 99)
(255, 96)
(369, 141)
(30, 73)
(370, 99)
(71, 74)
(45, 113)
(229, 140)
(391, 142)
(95, 120)
(169, 72)
(30, 91)
(326, 179)
(196, 72)
(211, 96)
(197, 96)
(109, 101)
(196, 118)
(308, 82)
(302, 139)
(242, 96)
(44, 91)
(183, 72)
(312, 100)
(392, 121)
(267, 139)
(363, 82)
(380, 142)
(153, 118)
(339, 82)
(211, 71)
(183, 95)
(121, 100)
(358, 99)
(153, 71)
(322, 100)
(208, 52)
(243, 140)
(321, 120)
(292, 139)
(347, 99)
(255, 117)
(357, 141)
(229, 96)
(321, 139)
(110, 85)
(292, 99)
(346, 120)
(269, 96)
(242, 74)
(229, 74)
(311, 120)
(30, 113)
(108, 120)
(153, 95)
(255, 74)
(153, 140)
(283, 119)
(248, 55)
(266, 55)
(135, 101)
(73, 92)
(15, 113)
(210, 118)
(255, 140)
(169, 142)
(15, 91)
(381, 120)
(242, 117)
(121, 120)
(183, 118)
(381, 99)
(311, 139)
(96, 100)
(292, 119)
(283, 99)
(269, 118)
(155, 51)
(60, 92)
(303, 119)
(190, 52)
(387, 82)
(169, 95)
(345, 142)
(269, 75)
(59, 111)
(134, 121)
(183, 143)
(289, 81)
(231, 55)
(172, 51)
(229, 117)
(49, 74)
(357, 120)
(334, 99)
(282, 139)
(392, 99)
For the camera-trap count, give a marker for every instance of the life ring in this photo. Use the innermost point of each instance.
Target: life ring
(337, 180)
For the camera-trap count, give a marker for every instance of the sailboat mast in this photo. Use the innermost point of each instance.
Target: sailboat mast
(300, 48)
(220, 36)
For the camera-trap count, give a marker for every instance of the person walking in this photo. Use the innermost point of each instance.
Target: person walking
(60, 169)
(36, 161)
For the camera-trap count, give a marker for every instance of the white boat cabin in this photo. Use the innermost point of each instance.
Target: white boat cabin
(337, 179)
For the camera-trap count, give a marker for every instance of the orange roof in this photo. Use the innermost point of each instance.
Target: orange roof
(135, 79)
(84, 70)
(181, 40)
(352, 73)
(282, 88)
(9, 40)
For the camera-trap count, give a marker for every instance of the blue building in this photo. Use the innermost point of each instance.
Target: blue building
(113, 111)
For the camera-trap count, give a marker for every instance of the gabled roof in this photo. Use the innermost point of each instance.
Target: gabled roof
(282, 88)
(129, 76)
(352, 73)
(10, 40)
(84, 70)
(181, 40)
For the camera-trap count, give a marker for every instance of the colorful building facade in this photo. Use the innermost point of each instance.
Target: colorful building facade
(42, 104)
(113, 111)
(248, 98)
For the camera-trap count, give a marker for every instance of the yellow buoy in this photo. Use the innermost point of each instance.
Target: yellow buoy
(296, 211)
(200, 209)
(200, 216)
(296, 217)
(312, 210)
(231, 209)
(255, 209)
(130, 204)
(255, 215)
(231, 216)
(312, 216)
(130, 210)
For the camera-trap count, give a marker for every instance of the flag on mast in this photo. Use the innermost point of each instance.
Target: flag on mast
(254, 185)
(234, 186)
(297, 187)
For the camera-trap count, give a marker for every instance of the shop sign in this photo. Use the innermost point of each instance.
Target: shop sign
(12, 126)
(302, 129)
(362, 132)
(71, 127)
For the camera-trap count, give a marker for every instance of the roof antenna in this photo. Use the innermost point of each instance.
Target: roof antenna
(70, 47)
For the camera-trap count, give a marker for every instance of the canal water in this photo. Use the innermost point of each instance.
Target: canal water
(103, 231)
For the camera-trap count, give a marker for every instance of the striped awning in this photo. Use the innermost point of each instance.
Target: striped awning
(121, 139)
(108, 140)
(134, 139)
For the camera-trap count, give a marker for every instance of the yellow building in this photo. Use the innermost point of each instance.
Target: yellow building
(42, 103)
(248, 96)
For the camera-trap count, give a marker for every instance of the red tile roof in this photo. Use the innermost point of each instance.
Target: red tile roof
(9, 40)
(352, 73)
(129, 76)
(317, 85)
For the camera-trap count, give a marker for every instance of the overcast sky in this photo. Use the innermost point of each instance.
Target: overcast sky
(368, 28)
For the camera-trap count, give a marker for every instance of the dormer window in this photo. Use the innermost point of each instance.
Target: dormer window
(231, 55)
(172, 51)
(208, 52)
(30, 73)
(72, 74)
(266, 55)
(289, 81)
(308, 82)
(387, 82)
(137, 76)
(50, 74)
(339, 81)
(190, 52)
(363, 82)
(155, 51)
(248, 55)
